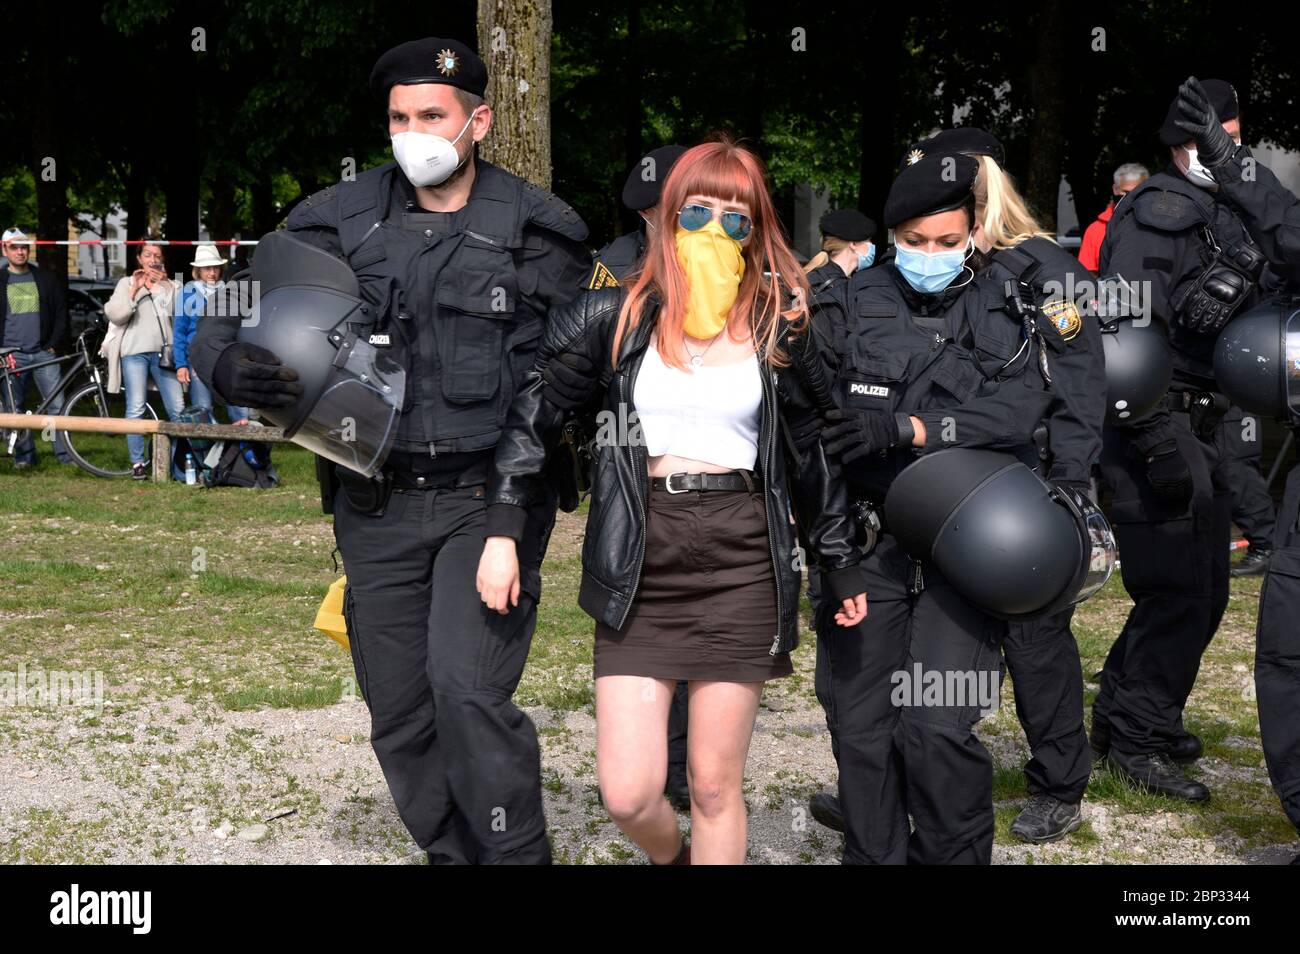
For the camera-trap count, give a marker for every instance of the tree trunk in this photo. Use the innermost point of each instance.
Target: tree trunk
(184, 163)
(264, 218)
(1047, 89)
(514, 40)
(221, 219)
(137, 204)
(878, 110)
(50, 166)
(633, 147)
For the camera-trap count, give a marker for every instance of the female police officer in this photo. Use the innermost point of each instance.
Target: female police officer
(933, 359)
(1042, 654)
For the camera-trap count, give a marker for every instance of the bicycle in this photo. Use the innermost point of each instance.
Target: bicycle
(104, 455)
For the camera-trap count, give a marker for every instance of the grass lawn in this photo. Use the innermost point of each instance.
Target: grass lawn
(230, 730)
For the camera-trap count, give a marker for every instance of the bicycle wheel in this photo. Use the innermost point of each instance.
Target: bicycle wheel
(104, 455)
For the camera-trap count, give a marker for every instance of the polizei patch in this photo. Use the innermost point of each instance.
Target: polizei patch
(379, 341)
(869, 390)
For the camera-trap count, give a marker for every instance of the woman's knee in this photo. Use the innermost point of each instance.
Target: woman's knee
(714, 788)
(627, 800)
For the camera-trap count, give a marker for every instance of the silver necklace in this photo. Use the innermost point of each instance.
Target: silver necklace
(697, 360)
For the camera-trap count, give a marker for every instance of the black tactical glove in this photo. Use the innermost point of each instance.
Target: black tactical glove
(1168, 473)
(1198, 119)
(1082, 487)
(251, 376)
(1206, 413)
(805, 429)
(854, 434)
(571, 380)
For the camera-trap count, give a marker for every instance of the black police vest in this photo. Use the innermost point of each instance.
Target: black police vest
(900, 357)
(445, 292)
(1169, 203)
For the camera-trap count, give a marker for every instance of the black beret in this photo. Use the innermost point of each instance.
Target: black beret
(932, 184)
(848, 224)
(640, 192)
(969, 140)
(431, 60)
(1221, 96)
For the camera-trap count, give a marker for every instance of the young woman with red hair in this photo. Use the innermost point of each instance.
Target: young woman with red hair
(690, 563)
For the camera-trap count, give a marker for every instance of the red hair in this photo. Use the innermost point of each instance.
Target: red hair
(763, 303)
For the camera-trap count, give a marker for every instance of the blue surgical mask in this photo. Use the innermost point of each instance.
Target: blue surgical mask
(865, 261)
(930, 272)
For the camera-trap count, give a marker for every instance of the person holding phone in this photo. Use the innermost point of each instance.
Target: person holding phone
(141, 305)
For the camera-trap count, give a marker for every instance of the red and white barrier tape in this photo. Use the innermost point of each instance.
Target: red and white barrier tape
(135, 242)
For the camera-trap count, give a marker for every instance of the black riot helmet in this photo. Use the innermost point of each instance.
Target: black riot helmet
(308, 310)
(1257, 360)
(1139, 363)
(1007, 541)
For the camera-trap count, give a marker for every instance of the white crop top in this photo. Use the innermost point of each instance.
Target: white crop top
(709, 413)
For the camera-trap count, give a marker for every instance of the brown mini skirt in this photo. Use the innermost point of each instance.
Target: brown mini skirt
(706, 606)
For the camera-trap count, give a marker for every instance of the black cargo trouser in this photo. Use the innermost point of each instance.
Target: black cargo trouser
(901, 753)
(1240, 442)
(438, 669)
(1174, 563)
(1277, 655)
(678, 719)
(1047, 677)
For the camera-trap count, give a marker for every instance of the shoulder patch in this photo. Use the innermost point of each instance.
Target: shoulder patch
(1063, 315)
(1167, 211)
(602, 277)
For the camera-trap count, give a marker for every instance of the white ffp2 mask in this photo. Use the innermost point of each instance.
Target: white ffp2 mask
(429, 160)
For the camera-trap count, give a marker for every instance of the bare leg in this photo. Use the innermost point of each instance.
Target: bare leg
(721, 724)
(632, 761)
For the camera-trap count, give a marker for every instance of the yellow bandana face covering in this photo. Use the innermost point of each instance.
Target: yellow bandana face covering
(714, 266)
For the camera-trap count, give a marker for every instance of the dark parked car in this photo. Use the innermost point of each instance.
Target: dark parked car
(86, 299)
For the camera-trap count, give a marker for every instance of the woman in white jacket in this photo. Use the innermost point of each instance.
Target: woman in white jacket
(142, 306)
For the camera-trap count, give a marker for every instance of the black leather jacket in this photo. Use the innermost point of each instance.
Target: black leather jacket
(614, 546)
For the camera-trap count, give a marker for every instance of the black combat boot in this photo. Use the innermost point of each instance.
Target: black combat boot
(1156, 772)
(1047, 819)
(1099, 738)
(1254, 563)
(825, 807)
(1185, 748)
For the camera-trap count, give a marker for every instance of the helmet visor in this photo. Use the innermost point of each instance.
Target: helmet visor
(355, 419)
(1099, 542)
(1291, 352)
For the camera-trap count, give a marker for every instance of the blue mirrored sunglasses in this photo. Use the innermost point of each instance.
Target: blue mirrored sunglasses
(693, 217)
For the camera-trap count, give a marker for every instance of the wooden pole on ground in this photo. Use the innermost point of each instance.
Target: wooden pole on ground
(162, 431)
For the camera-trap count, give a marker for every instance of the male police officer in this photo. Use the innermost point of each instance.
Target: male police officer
(1203, 239)
(460, 262)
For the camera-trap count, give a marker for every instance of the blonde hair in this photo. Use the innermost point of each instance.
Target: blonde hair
(1001, 211)
(830, 245)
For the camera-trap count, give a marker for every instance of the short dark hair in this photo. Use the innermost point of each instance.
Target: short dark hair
(468, 101)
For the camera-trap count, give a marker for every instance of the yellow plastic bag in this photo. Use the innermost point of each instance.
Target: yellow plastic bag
(329, 618)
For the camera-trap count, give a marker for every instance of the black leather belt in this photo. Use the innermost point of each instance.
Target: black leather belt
(411, 483)
(410, 471)
(682, 482)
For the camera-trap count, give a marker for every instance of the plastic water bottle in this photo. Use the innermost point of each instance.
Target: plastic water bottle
(191, 475)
